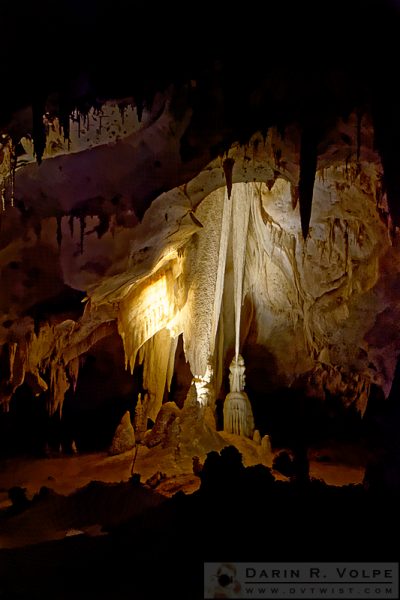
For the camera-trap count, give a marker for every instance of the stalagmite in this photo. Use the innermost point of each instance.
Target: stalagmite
(124, 437)
(238, 415)
(140, 419)
(204, 386)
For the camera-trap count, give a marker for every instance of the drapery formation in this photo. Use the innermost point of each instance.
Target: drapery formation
(196, 273)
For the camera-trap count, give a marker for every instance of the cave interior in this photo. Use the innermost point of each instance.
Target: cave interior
(199, 282)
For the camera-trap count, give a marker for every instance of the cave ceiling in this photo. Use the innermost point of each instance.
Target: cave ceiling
(123, 135)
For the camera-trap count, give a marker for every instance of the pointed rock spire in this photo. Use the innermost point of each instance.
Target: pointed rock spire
(308, 167)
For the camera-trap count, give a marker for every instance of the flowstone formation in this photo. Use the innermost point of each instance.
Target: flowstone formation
(217, 267)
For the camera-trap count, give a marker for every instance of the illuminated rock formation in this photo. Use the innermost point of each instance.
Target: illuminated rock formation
(282, 249)
(238, 415)
(124, 437)
(308, 302)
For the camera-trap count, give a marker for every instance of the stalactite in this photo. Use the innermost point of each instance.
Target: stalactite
(155, 356)
(240, 223)
(222, 254)
(171, 361)
(308, 167)
(238, 416)
(12, 351)
(362, 395)
(143, 312)
(58, 386)
(200, 312)
(73, 371)
(227, 166)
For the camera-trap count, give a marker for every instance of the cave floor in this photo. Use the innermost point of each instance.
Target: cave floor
(64, 475)
(340, 464)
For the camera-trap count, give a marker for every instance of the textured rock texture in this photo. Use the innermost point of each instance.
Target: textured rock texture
(124, 437)
(321, 306)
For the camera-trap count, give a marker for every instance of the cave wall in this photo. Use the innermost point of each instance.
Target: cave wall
(320, 304)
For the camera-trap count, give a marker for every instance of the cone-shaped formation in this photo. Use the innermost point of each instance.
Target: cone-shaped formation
(124, 437)
(228, 169)
(308, 167)
(238, 415)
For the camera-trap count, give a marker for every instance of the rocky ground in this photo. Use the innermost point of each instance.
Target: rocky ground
(64, 484)
(129, 540)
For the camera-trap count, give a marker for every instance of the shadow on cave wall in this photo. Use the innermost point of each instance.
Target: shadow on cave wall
(290, 417)
(104, 392)
(182, 377)
(24, 429)
(90, 415)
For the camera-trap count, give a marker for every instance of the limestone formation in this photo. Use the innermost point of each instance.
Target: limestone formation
(159, 433)
(238, 414)
(140, 420)
(266, 444)
(189, 431)
(124, 437)
(321, 297)
(224, 273)
(181, 199)
(257, 437)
